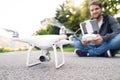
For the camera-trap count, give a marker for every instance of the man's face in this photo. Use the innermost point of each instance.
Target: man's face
(95, 11)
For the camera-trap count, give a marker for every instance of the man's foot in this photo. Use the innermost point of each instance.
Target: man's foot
(113, 52)
(80, 53)
(71, 38)
(107, 54)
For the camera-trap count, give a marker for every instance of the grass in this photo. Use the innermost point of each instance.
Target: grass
(3, 50)
(67, 49)
(119, 52)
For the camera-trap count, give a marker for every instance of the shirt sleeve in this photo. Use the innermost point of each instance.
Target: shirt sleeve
(115, 26)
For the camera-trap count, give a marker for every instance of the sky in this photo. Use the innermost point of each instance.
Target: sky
(24, 16)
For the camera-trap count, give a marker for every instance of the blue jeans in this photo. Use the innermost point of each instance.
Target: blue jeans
(96, 50)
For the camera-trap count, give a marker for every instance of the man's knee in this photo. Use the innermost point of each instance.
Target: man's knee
(115, 42)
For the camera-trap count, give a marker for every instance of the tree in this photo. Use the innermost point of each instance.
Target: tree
(48, 29)
(68, 15)
(111, 7)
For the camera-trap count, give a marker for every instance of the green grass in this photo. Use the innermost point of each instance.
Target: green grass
(119, 52)
(3, 50)
(67, 49)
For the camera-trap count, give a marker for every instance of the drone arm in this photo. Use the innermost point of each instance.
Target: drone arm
(14, 33)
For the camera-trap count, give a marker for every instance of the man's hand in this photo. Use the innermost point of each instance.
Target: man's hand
(84, 42)
(97, 40)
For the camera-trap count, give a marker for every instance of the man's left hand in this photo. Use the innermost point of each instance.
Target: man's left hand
(97, 40)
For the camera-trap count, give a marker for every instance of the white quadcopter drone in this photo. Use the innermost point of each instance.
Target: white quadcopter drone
(45, 42)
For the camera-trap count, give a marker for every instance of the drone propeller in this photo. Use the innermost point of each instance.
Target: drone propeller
(15, 34)
(55, 22)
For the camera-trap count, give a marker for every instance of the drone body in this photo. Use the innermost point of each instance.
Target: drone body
(42, 41)
(45, 42)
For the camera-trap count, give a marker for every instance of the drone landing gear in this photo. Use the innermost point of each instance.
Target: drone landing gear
(28, 58)
(46, 57)
(56, 56)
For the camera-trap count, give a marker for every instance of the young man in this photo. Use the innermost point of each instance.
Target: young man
(108, 37)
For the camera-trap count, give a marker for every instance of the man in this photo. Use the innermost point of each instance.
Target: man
(108, 37)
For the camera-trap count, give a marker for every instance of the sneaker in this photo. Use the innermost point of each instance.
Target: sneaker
(71, 38)
(107, 54)
(113, 52)
(80, 53)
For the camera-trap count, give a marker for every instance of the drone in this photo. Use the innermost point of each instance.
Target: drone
(45, 43)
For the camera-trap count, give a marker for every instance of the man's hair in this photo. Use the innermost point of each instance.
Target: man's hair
(95, 2)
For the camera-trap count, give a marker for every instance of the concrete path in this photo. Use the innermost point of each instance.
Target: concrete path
(13, 67)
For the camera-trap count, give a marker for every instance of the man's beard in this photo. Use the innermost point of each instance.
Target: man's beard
(96, 17)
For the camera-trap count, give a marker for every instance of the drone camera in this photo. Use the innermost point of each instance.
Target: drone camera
(44, 58)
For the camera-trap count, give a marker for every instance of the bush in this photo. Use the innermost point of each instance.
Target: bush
(1, 49)
(5, 50)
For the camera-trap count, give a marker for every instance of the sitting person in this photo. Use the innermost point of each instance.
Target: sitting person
(108, 37)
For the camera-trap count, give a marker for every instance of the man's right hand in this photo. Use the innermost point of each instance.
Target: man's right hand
(84, 42)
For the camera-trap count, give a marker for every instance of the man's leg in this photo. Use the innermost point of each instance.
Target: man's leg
(96, 50)
(93, 50)
(113, 44)
(81, 49)
(77, 44)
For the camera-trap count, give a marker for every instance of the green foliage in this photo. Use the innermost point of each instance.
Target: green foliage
(49, 29)
(70, 15)
(67, 49)
(85, 14)
(111, 7)
(1, 49)
(118, 19)
(119, 52)
(5, 50)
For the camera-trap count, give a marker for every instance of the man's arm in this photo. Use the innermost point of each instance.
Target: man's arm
(115, 26)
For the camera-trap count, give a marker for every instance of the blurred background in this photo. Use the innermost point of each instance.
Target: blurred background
(27, 17)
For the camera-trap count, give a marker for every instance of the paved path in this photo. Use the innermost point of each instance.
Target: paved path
(13, 67)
